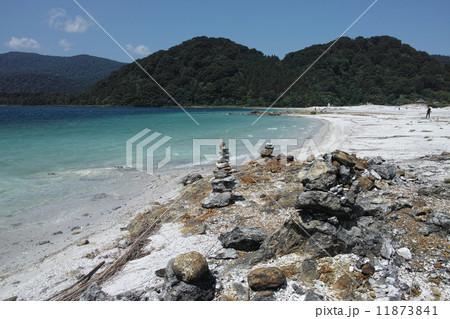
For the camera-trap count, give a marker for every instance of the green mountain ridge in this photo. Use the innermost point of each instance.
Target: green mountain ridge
(22, 72)
(218, 71)
(442, 58)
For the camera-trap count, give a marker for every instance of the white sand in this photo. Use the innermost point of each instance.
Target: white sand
(42, 271)
(392, 132)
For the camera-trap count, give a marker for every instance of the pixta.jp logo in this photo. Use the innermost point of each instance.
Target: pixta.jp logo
(145, 146)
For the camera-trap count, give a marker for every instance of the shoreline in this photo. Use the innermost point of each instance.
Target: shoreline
(393, 132)
(344, 128)
(47, 259)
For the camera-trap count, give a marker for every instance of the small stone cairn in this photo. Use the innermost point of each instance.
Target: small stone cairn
(267, 150)
(222, 182)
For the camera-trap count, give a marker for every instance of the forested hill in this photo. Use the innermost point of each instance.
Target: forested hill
(34, 73)
(442, 58)
(217, 71)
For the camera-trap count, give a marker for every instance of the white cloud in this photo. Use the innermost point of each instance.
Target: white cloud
(78, 25)
(23, 43)
(57, 20)
(139, 50)
(54, 17)
(66, 45)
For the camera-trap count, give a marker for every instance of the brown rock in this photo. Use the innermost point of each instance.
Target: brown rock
(343, 158)
(310, 158)
(381, 184)
(266, 152)
(410, 175)
(289, 270)
(437, 281)
(400, 172)
(190, 267)
(235, 292)
(365, 183)
(368, 269)
(360, 164)
(267, 278)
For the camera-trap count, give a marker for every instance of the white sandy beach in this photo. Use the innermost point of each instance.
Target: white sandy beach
(401, 134)
(389, 131)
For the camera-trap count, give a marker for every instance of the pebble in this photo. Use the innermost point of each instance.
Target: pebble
(124, 243)
(83, 242)
(368, 269)
(405, 253)
(390, 280)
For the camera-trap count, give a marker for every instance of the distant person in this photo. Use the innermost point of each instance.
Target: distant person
(428, 112)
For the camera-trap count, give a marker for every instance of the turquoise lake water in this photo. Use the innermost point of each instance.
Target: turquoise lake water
(48, 153)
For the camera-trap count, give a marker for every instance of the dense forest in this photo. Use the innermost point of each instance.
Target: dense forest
(442, 58)
(34, 73)
(217, 71)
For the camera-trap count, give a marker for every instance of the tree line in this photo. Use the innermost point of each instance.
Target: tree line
(217, 71)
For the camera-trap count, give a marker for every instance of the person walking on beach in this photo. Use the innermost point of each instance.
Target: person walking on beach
(428, 112)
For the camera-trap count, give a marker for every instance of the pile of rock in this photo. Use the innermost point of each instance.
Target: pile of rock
(334, 211)
(222, 183)
(267, 150)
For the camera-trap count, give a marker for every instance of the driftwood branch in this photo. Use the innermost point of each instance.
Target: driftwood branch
(83, 279)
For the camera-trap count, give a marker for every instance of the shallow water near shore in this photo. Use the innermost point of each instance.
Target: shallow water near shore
(52, 156)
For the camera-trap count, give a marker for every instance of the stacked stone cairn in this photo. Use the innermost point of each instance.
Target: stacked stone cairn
(222, 183)
(267, 150)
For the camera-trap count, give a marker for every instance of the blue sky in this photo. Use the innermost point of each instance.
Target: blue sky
(60, 27)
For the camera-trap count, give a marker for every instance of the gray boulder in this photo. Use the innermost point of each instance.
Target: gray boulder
(286, 239)
(387, 251)
(243, 238)
(319, 202)
(404, 252)
(386, 171)
(93, 293)
(191, 178)
(438, 221)
(312, 296)
(377, 206)
(438, 191)
(226, 184)
(378, 160)
(345, 175)
(319, 176)
(217, 200)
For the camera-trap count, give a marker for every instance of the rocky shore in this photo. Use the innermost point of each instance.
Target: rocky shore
(338, 226)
